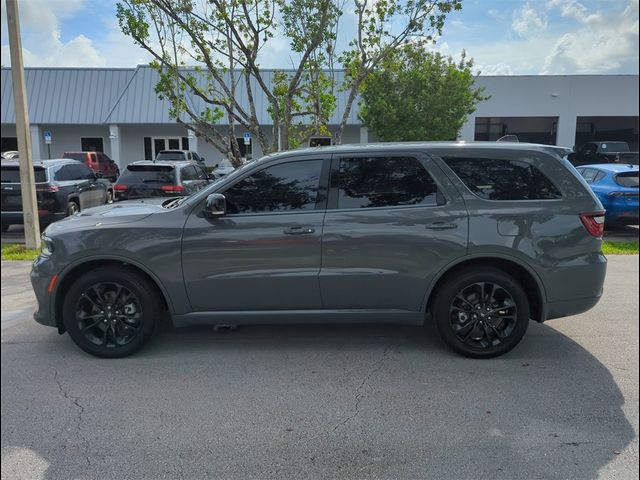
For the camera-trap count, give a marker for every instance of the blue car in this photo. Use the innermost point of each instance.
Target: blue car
(616, 185)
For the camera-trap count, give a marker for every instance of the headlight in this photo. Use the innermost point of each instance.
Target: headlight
(47, 246)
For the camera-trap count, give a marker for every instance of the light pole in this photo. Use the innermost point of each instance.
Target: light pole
(27, 177)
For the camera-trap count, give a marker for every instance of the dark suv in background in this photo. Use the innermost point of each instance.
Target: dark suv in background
(160, 179)
(480, 238)
(98, 162)
(63, 187)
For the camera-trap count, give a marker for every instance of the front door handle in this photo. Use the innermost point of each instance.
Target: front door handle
(298, 230)
(441, 226)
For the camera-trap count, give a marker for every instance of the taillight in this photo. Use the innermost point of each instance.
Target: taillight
(593, 222)
(120, 187)
(47, 188)
(172, 188)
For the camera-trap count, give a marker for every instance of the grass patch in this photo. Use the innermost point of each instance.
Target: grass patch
(620, 248)
(12, 251)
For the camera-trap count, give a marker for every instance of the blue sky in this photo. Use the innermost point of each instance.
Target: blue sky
(502, 36)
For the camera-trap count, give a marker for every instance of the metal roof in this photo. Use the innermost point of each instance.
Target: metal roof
(66, 95)
(122, 96)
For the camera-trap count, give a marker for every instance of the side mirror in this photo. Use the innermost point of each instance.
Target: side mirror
(215, 206)
(216, 165)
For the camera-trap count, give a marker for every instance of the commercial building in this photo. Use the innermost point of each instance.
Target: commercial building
(117, 111)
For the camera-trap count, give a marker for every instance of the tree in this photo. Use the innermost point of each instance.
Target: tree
(224, 38)
(419, 95)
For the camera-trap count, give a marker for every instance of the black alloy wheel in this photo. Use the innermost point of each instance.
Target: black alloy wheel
(111, 311)
(108, 314)
(482, 312)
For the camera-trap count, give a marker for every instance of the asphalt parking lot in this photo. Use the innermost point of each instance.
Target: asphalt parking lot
(325, 401)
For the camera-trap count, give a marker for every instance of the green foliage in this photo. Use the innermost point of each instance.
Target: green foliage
(12, 251)
(419, 95)
(620, 248)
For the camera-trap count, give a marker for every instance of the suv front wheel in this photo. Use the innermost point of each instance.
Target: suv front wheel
(111, 312)
(481, 313)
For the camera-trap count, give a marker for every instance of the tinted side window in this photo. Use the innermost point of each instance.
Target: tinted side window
(288, 186)
(188, 173)
(494, 179)
(65, 173)
(83, 172)
(202, 175)
(384, 182)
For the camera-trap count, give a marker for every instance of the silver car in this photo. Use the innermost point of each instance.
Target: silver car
(479, 238)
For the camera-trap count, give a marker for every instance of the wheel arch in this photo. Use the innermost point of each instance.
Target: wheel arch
(522, 272)
(74, 271)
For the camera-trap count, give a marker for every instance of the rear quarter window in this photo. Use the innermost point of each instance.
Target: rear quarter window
(501, 179)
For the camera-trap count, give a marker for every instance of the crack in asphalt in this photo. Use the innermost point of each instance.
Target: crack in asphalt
(79, 420)
(359, 391)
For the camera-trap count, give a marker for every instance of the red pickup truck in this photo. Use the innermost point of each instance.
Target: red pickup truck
(98, 162)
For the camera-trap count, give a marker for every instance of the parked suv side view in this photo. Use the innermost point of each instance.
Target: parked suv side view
(479, 238)
(63, 187)
(98, 162)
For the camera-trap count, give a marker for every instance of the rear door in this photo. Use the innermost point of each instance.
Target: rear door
(392, 223)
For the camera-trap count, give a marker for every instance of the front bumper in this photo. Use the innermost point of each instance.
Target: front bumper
(41, 275)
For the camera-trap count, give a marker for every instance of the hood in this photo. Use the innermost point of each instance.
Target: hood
(112, 214)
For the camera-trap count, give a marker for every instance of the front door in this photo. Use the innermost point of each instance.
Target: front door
(389, 228)
(265, 253)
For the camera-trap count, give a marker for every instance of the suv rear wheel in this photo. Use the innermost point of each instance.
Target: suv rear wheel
(72, 208)
(111, 312)
(481, 313)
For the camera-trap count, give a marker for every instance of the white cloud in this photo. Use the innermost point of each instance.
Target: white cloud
(602, 42)
(527, 21)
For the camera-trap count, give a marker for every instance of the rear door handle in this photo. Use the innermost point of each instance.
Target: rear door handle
(298, 230)
(441, 226)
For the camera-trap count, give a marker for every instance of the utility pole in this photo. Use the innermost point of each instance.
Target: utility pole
(27, 177)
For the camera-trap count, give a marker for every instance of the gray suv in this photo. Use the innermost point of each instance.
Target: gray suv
(479, 237)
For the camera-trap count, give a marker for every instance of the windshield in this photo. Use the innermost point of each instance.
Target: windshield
(614, 147)
(628, 179)
(148, 174)
(12, 174)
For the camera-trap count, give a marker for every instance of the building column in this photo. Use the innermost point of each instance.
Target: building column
(364, 135)
(468, 130)
(193, 141)
(114, 139)
(566, 134)
(35, 142)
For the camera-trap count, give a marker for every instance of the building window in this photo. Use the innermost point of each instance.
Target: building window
(9, 144)
(92, 144)
(148, 153)
(185, 143)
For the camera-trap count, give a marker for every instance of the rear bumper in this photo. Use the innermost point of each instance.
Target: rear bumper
(575, 287)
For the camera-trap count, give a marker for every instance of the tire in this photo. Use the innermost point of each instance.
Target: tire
(72, 208)
(111, 312)
(109, 197)
(491, 330)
